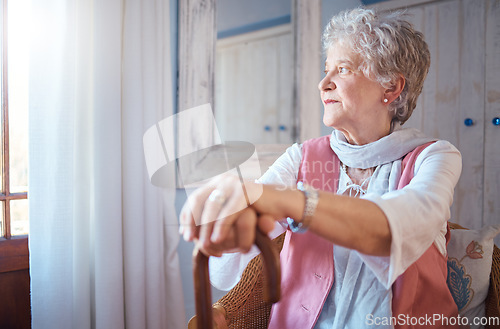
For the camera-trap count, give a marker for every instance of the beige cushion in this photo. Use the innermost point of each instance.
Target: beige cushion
(469, 266)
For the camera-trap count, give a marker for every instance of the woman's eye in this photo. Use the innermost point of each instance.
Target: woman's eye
(343, 70)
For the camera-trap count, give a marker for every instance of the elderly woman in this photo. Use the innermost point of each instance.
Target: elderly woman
(366, 230)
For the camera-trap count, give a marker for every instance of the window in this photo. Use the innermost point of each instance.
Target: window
(14, 123)
(14, 225)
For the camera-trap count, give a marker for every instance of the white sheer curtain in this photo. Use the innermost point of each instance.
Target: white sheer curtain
(102, 239)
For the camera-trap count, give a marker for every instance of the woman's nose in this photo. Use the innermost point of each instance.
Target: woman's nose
(326, 83)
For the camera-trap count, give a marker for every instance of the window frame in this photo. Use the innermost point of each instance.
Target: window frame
(15, 254)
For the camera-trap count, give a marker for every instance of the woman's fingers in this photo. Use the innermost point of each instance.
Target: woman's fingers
(204, 242)
(266, 223)
(231, 212)
(209, 205)
(192, 211)
(245, 230)
(239, 237)
(187, 225)
(218, 217)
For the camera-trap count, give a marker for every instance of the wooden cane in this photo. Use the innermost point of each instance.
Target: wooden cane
(203, 295)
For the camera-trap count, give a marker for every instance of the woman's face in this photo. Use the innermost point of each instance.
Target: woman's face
(353, 104)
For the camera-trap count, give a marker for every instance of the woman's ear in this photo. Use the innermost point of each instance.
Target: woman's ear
(395, 90)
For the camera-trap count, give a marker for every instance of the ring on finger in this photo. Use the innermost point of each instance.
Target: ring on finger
(217, 196)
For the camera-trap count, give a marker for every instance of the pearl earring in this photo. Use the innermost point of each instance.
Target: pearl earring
(385, 100)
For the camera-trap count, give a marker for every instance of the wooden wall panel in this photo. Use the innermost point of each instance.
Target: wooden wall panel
(441, 119)
(197, 36)
(417, 17)
(13, 254)
(468, 205)
(285, 100)
(431, 83)
(15, 309)
(307, 47)
(15, 312)
(492, 110)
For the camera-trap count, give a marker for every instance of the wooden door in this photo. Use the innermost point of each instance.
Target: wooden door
(253, 86)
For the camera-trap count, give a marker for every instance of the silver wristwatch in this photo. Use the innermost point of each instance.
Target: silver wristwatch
(312, 198)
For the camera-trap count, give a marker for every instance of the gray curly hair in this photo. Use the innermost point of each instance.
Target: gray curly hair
(388, 46)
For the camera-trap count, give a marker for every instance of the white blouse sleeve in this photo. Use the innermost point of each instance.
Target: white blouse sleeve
(418, 213)
(225, 271)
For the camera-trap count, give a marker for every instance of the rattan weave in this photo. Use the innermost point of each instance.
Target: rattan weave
(244, 304)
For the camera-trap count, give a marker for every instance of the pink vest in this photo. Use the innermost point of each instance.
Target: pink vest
(307, 260)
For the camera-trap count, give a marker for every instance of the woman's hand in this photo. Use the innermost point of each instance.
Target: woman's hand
(222, 217)
(219, 218)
